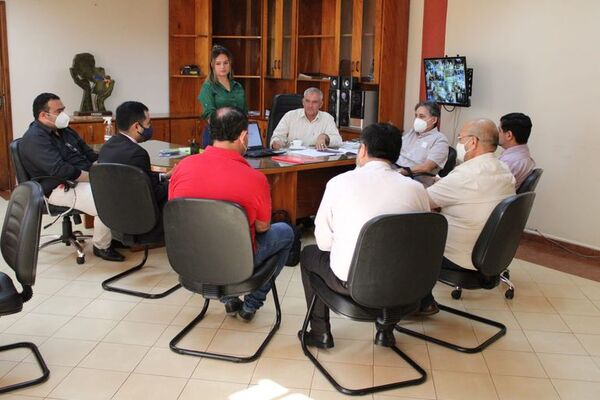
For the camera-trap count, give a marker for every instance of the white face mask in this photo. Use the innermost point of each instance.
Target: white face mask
(62, 120)
(420, 125)
(461, 151)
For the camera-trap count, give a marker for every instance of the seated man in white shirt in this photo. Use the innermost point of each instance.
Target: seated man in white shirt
(424, 148)
(468, 194)
(348, 203)
(514, 130)
(313, 127)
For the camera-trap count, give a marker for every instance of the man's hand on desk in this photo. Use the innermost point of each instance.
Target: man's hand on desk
(322, 142)
(276, 145)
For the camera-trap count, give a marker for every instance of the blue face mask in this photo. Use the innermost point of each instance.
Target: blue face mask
(146, 134)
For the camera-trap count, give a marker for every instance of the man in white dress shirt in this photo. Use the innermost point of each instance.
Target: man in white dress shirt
(309, 124)
(350, 200)
(467, 195)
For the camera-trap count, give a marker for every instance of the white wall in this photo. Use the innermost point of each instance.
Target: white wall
(540, 58)
(414, 68)
(129, 38)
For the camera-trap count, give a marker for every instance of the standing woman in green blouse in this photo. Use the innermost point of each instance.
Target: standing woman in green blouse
(219, 89)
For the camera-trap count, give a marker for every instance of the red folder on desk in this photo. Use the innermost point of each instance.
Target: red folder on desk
(293, 159)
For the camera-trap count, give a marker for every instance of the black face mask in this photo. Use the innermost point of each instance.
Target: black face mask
(146, 134)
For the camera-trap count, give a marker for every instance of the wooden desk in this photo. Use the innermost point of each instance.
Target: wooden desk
(298, 188)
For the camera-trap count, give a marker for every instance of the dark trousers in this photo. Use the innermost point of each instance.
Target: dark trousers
(313, 260)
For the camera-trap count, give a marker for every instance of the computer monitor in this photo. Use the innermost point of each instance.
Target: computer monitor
(447, 81)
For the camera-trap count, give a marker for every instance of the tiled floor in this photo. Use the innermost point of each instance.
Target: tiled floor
(102, 345)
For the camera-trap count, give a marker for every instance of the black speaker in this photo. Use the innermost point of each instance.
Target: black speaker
(344, 108)
(334, 82)
(348, 83)
(332, 106)
(363, 108)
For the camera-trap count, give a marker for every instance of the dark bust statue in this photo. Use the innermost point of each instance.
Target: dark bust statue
(93, 81)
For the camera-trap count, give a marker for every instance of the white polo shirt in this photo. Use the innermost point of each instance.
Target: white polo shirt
(353, 198)
(467, 196)
(294, 125)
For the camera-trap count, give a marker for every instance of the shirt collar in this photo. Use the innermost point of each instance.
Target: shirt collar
(376, 164)
(128, 137)
(43, 127)
(306, 118)
(431, 132)
(516, 149)
(224, 153)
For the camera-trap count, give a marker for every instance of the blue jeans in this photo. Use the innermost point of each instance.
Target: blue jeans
(277, 240)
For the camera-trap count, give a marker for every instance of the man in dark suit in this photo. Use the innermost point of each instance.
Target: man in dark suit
(134, 126)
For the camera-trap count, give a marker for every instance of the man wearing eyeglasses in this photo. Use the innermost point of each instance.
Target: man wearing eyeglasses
(467, 196)
(51, 148)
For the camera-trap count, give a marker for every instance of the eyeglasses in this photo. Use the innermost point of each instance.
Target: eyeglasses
(466, 136)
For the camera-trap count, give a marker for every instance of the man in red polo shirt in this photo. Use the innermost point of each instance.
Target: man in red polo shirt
(222, 173)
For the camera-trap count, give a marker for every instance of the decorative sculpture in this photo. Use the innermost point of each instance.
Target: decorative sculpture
(93, 81)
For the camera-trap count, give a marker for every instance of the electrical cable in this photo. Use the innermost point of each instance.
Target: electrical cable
(557, 244)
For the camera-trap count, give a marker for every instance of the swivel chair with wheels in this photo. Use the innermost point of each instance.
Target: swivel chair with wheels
(209, 246)
(19, 244)
(125, 202)
(396, 263)
(495, 248)
(282, 103)
(68, 236)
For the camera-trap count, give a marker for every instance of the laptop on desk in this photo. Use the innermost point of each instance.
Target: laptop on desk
(256, 147)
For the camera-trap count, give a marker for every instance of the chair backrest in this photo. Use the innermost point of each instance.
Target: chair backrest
(498, 241)
(21, 230)
(397, 259)
(450, 164)
(208, 241)
(21, 174)
(281, 104)
(532, 180)
(124, 198)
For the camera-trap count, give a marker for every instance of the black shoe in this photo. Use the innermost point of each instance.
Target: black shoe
(115, 244)
(320, 341)
(246, 315)
(233, 306)
(427, 309)
(109, 254)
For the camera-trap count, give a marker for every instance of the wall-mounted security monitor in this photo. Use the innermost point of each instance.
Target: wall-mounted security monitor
(447, 81)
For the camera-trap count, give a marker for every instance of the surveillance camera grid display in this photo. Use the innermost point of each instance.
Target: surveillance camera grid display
(445, 79)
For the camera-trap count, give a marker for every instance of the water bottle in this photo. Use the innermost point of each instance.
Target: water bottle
(108, 131)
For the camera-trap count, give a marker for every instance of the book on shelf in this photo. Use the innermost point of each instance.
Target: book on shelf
(313, 75)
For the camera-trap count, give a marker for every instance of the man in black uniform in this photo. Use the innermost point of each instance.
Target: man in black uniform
(51, 148)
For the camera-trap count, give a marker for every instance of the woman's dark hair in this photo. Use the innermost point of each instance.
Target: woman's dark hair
(216, 51)
(433, 108)
(227, 123)
(382, 141)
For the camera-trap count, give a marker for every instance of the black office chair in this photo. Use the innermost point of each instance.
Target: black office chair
(209, 246)
(19, 245)
(282, 103)
(396, 262)
(493, 252)
(69, 237)
(125, 203)
(531, 182)
(450, 163)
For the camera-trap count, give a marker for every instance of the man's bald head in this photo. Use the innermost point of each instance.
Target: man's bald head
(486, 131)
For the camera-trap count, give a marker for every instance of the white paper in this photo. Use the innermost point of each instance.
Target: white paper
(315, 153)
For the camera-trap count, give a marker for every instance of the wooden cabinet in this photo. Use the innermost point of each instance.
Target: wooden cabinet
(180, 129)
(276, 44)
(359, 39)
